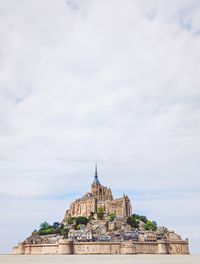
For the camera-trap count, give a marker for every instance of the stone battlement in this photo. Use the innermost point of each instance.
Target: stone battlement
(83, 248)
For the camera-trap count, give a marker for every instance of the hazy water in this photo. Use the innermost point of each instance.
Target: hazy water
(92, 259)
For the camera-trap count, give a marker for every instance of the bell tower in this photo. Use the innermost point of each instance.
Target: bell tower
(100, 192)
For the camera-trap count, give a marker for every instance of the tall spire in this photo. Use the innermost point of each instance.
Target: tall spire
(96, 180)
(96, 173)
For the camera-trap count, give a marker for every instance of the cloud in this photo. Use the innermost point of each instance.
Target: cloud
(113, 82)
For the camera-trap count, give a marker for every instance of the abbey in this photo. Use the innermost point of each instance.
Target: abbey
(99, 224)
(99, 197)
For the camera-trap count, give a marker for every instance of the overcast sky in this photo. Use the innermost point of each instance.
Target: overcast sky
(109, 81)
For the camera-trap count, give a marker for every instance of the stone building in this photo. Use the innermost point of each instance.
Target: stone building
(99, 196)
(103, 236)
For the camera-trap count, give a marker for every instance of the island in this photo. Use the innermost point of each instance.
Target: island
(97, 223)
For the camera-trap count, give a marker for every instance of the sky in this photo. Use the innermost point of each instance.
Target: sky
(113, 82)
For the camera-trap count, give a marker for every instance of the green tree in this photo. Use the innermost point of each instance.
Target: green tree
(62, 226)
(56, 225)
(44, 226)
(140, 217)
(132, 221)
(150, 226)
(100, 212)
(155, 224)
(71, 220)
(46, 231)
(81, 220)
(111, 217)
(143, 219)
(64, 232)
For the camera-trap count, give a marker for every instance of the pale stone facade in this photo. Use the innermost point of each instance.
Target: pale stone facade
(128, 247)
(100, 196)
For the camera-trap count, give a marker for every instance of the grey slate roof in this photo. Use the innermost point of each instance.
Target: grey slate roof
(96, 181)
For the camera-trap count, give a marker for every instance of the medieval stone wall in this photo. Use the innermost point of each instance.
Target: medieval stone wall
(178, 247)
(129, 247)
(97, 248)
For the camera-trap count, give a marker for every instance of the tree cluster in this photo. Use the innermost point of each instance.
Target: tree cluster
(77, 221)
(47, 229)
(135, 219)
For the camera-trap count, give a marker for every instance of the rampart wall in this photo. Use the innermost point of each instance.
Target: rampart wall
(128, 247)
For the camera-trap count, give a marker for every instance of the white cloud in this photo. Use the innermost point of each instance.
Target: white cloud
(115, 82)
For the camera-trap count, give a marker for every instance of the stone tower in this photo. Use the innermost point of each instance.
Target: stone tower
(100, 192)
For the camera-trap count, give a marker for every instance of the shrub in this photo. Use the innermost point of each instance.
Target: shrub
(111, 217)
(64, 232)
(81, 220)
(150, 226)
(141, 218)
(44, 226)
(100, 212)
(46, 231)
(132, 221)
(71, 220)
(56, 225)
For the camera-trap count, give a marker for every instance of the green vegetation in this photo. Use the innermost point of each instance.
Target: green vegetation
(56, 225)
(132, 222)
(111, 217)
(100, 212)
(59, 228)
(140, 217)
(150, 225)
(71, 220)
(64, 232)
(47, 229)
(81, 220)
(135, 219)
(44, 226)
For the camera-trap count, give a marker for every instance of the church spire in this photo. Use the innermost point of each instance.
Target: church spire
(96, 180)
(96, 173)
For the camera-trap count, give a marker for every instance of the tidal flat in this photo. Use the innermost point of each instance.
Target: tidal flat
(92, 259)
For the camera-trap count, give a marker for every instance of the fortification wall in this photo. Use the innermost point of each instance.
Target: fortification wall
(97, 248)
(41, 249)
(63, 247)
(129, 247)
(179, 247)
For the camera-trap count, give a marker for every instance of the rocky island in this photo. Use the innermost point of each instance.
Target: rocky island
(99, 224)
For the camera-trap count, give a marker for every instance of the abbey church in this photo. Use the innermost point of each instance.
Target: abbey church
(99, 224)
(99, 197)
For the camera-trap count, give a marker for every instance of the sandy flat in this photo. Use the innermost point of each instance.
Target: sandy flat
(92, 259)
